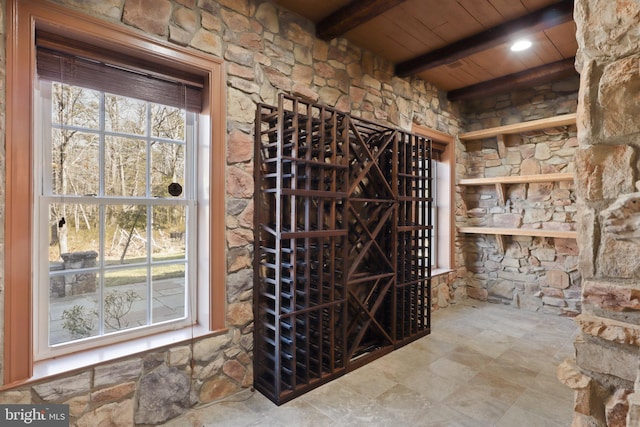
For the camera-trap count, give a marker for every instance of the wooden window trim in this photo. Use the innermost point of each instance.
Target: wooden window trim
(445, 145)
(23, 18)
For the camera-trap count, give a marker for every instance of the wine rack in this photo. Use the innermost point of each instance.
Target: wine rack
(343, 230)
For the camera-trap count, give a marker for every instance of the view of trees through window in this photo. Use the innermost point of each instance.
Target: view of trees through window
(118, 239)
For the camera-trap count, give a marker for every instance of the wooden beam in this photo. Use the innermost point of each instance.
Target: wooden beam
(534, 22)
(535, 76)
(355, 13)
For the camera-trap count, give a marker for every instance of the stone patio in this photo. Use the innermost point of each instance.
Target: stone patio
(167, 304)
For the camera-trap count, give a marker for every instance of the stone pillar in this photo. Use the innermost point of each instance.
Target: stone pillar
(608, 225)
(80, 283)
(633, 415)
(57, 285)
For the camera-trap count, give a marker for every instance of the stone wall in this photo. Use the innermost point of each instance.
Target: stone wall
(443, 291)
(606, 187)
(533, 273)
(522, 105)
(267, 50)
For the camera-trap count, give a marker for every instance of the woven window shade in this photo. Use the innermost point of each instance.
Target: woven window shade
(80, 64)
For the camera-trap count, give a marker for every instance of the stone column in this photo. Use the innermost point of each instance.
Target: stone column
(608, 33)
(79, 283)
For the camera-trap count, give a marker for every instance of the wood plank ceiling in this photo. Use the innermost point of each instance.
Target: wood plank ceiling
(461, 46)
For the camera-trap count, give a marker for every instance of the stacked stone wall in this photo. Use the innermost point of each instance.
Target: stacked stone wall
(267, 50)
(533, 273)
(522, 105)
(605, 374)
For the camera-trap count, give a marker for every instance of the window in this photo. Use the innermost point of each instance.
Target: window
(442, 205)
(37, 199)
(116, 204)
(117, 201)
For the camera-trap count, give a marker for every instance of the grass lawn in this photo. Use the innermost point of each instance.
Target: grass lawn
(129, 276)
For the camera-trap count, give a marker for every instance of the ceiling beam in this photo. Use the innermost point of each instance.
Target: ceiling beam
(534, 22)
(350, 16)
(528, 78)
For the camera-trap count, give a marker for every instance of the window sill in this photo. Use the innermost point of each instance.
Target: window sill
(82, 360)
(440, 271)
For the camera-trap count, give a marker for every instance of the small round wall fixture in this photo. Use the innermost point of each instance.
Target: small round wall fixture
(520, 45)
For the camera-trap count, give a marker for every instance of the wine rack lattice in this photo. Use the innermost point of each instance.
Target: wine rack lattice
(342, 262)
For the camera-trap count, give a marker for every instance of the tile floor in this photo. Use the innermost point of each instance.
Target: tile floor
(482, 365)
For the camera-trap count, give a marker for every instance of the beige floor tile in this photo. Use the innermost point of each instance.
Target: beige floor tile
(433, 387)
(519, 417)
(547, 406)
(449, 369)
(469, 357)
(486, 410)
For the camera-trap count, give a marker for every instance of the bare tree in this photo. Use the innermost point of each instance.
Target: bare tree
(73, 106)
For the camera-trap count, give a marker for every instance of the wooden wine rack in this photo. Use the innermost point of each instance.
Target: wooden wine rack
(343, 230)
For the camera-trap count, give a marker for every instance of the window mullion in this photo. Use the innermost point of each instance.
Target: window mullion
(101, 215)
(149, 219)
(191, 195)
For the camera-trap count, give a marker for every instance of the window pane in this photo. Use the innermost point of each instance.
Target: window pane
(74, 162)
(168, 292)
(169, 232)
(125, 298)
(167, 166)
(167, 122)
(125, 167)
(74, 235)
(125, 234)
(125, 115)
(75, 106)
(73, 307)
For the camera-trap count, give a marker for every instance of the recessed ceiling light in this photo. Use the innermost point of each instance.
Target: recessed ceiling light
(520, 45)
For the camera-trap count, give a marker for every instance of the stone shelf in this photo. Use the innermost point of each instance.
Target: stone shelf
(501, 181)
(535, 232)
(562, 120)
(500, 232)
(519, 179)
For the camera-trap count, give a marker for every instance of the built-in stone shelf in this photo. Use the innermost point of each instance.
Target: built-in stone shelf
(537, 232)
(501, 181)
(519, 179)
(546, 123)
(500, 232)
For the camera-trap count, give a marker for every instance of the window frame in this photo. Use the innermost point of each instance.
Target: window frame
(23, 18)
(444, 205)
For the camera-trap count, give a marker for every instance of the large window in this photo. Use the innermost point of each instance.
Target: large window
(106, 183)
(117, 220)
